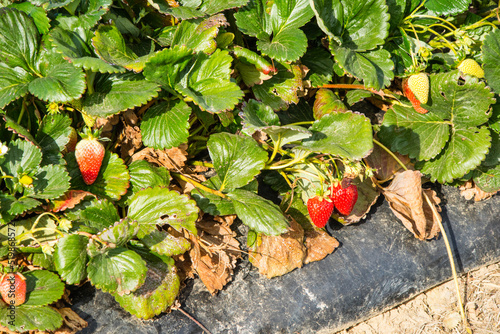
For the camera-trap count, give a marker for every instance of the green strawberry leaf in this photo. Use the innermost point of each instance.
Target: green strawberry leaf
(49, 182)
(43, 288)
(236, 159)
(356, 25)
(440, 7)
(30, 318)
(320, 65)
(488, 179)
(118, 92)
(450, 135)
(43, 260)
(144, 175)
(276, 27)
(52, 136)
(51, 4)
(20, 39)
(163, 243)
(194, 9)
(57, 80)
(491, 58)
(38, 14)
(70, 258)
(281, 90)
(46, 227)
(90, 12)
(210, 203)
(420, 136)
(256, 115)
(74, 48)
(120, 232)
(374, 68)
(327, 102)
(22, 157)
(110, 46)
(493, 157)
(113, 179)
(494, 121)
(162, 206)
(165, 125)
(10, 206)
(465, 150)
(14, 83)
(19, 130)
(118, 270)
(207, 82)
(260, 214)
(98, 214)
(166, 65)
(347, 135)
(199, 35)
(158, 292)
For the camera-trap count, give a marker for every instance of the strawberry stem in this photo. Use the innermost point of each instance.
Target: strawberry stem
(390, 153)
(184, 178)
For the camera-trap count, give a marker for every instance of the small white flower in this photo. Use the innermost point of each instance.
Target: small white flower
(3, 149)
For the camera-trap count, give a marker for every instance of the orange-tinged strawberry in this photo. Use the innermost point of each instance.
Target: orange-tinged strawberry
(419, 86)
(320, 209)
(89, 153)
(413, 99)
(471, 67)
(13, 288)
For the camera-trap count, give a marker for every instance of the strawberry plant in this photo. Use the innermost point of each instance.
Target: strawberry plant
(134, 134)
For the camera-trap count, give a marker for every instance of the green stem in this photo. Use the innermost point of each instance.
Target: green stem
(21, 114)
(447, 43)
(432, 17)
(182, 177)
(198, 138)
(277, 146)
(302, 123)
(90, 76)
(390, 153)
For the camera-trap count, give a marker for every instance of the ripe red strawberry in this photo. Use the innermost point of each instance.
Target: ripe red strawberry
(89, 153)
(13, 288)
(415, 102)
(320, 209)
(344, 198)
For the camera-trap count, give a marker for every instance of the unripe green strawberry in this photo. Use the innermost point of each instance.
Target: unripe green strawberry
(419, 86)
(320, 209)
(410, 96)
(13, 288)
(471, 67)
(344, 199)
(89, 153)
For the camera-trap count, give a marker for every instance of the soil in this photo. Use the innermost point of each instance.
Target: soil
(435, 311)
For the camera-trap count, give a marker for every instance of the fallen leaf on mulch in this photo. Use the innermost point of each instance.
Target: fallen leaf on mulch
(72, 321)
(278, 255)
(469, 191)
(172, 159)
(213, 255)
(319, 244)
(406, 199)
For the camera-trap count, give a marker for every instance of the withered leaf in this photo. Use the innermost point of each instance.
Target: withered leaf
(319, 244)
(214, 254)
(384, 164)
(278, 255)
(72, 321)
(469, 191)
(406, 200)
(172, 159)
(69, 200)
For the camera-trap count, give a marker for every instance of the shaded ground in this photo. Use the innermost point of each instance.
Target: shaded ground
(435, 311)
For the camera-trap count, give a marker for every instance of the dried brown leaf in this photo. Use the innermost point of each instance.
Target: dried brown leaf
(278, 255)
(130, 140)
(469, 191)
(72, 321)
(406, 199)
(319, 244)
(69, 200)
(384, 164)
(367, 196)
(172, 159)
(213, 255)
